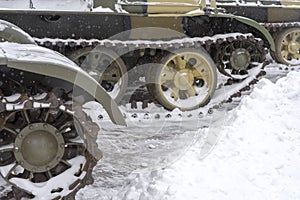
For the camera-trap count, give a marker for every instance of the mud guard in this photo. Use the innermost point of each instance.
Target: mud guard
(251, 23)
(39, 60)
(212, 13)
(11, 33)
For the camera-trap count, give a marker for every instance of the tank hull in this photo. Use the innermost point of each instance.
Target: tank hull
(280, 17)
(148, 24)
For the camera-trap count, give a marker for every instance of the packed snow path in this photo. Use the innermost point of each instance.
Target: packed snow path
(256, 157)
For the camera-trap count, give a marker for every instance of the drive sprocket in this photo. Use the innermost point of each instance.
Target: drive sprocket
(48, 146)
(234, 58)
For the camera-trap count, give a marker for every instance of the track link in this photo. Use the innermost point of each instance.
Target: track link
(276, 27)
(236, 89)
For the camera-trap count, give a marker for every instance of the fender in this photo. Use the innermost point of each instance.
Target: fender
(216, 13)
(39, 60)
(11, 33)
(251, 23)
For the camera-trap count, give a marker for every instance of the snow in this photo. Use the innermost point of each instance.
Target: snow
(159, 43)
(44, 190)
(12, 98)
(256, 157)
(2, 27)
(14, 4)
(263, 3)
(116, 91)
(64, 180)
(248, 150)
(62, 5)
(168, 3)
(78, 5)
(20, 52)
(101, 9)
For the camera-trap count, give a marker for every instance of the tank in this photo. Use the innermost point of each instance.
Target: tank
(169, 52)
(280, 17)
(48, 143)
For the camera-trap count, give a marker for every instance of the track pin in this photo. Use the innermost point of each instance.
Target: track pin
(168, 116)
(201, 115)
(134, 115)
(146, 116)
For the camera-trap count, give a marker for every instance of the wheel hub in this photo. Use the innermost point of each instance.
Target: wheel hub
(240, 59)
(293, 47)
(39, 147)
(184, 79)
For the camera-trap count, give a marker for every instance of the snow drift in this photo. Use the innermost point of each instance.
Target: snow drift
(257, 157)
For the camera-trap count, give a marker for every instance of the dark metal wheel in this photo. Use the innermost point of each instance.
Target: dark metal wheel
(236, 58)
(287, 45)
(45, 151)
(186, 79)
(106, 67)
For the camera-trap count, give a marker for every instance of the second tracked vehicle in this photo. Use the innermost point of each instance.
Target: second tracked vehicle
(48, 143)
(168, 52)
(280, 17)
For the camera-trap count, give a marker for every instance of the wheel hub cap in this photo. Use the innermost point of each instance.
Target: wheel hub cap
(293, 47)
(39, 147)
(240, 59)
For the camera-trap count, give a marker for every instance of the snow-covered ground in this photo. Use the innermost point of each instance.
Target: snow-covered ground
(251, 151)
(257, 157)
(248, 150)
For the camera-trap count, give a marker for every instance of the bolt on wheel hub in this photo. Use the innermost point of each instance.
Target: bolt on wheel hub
(39, 147)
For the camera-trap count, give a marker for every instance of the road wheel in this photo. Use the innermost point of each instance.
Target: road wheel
(287, 45)
(106, 67)
(186, 79)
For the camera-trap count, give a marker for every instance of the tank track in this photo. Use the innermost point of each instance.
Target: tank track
(275, 27)
(209, 43)
(139, 110)
(18, 102)
(135, 93)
